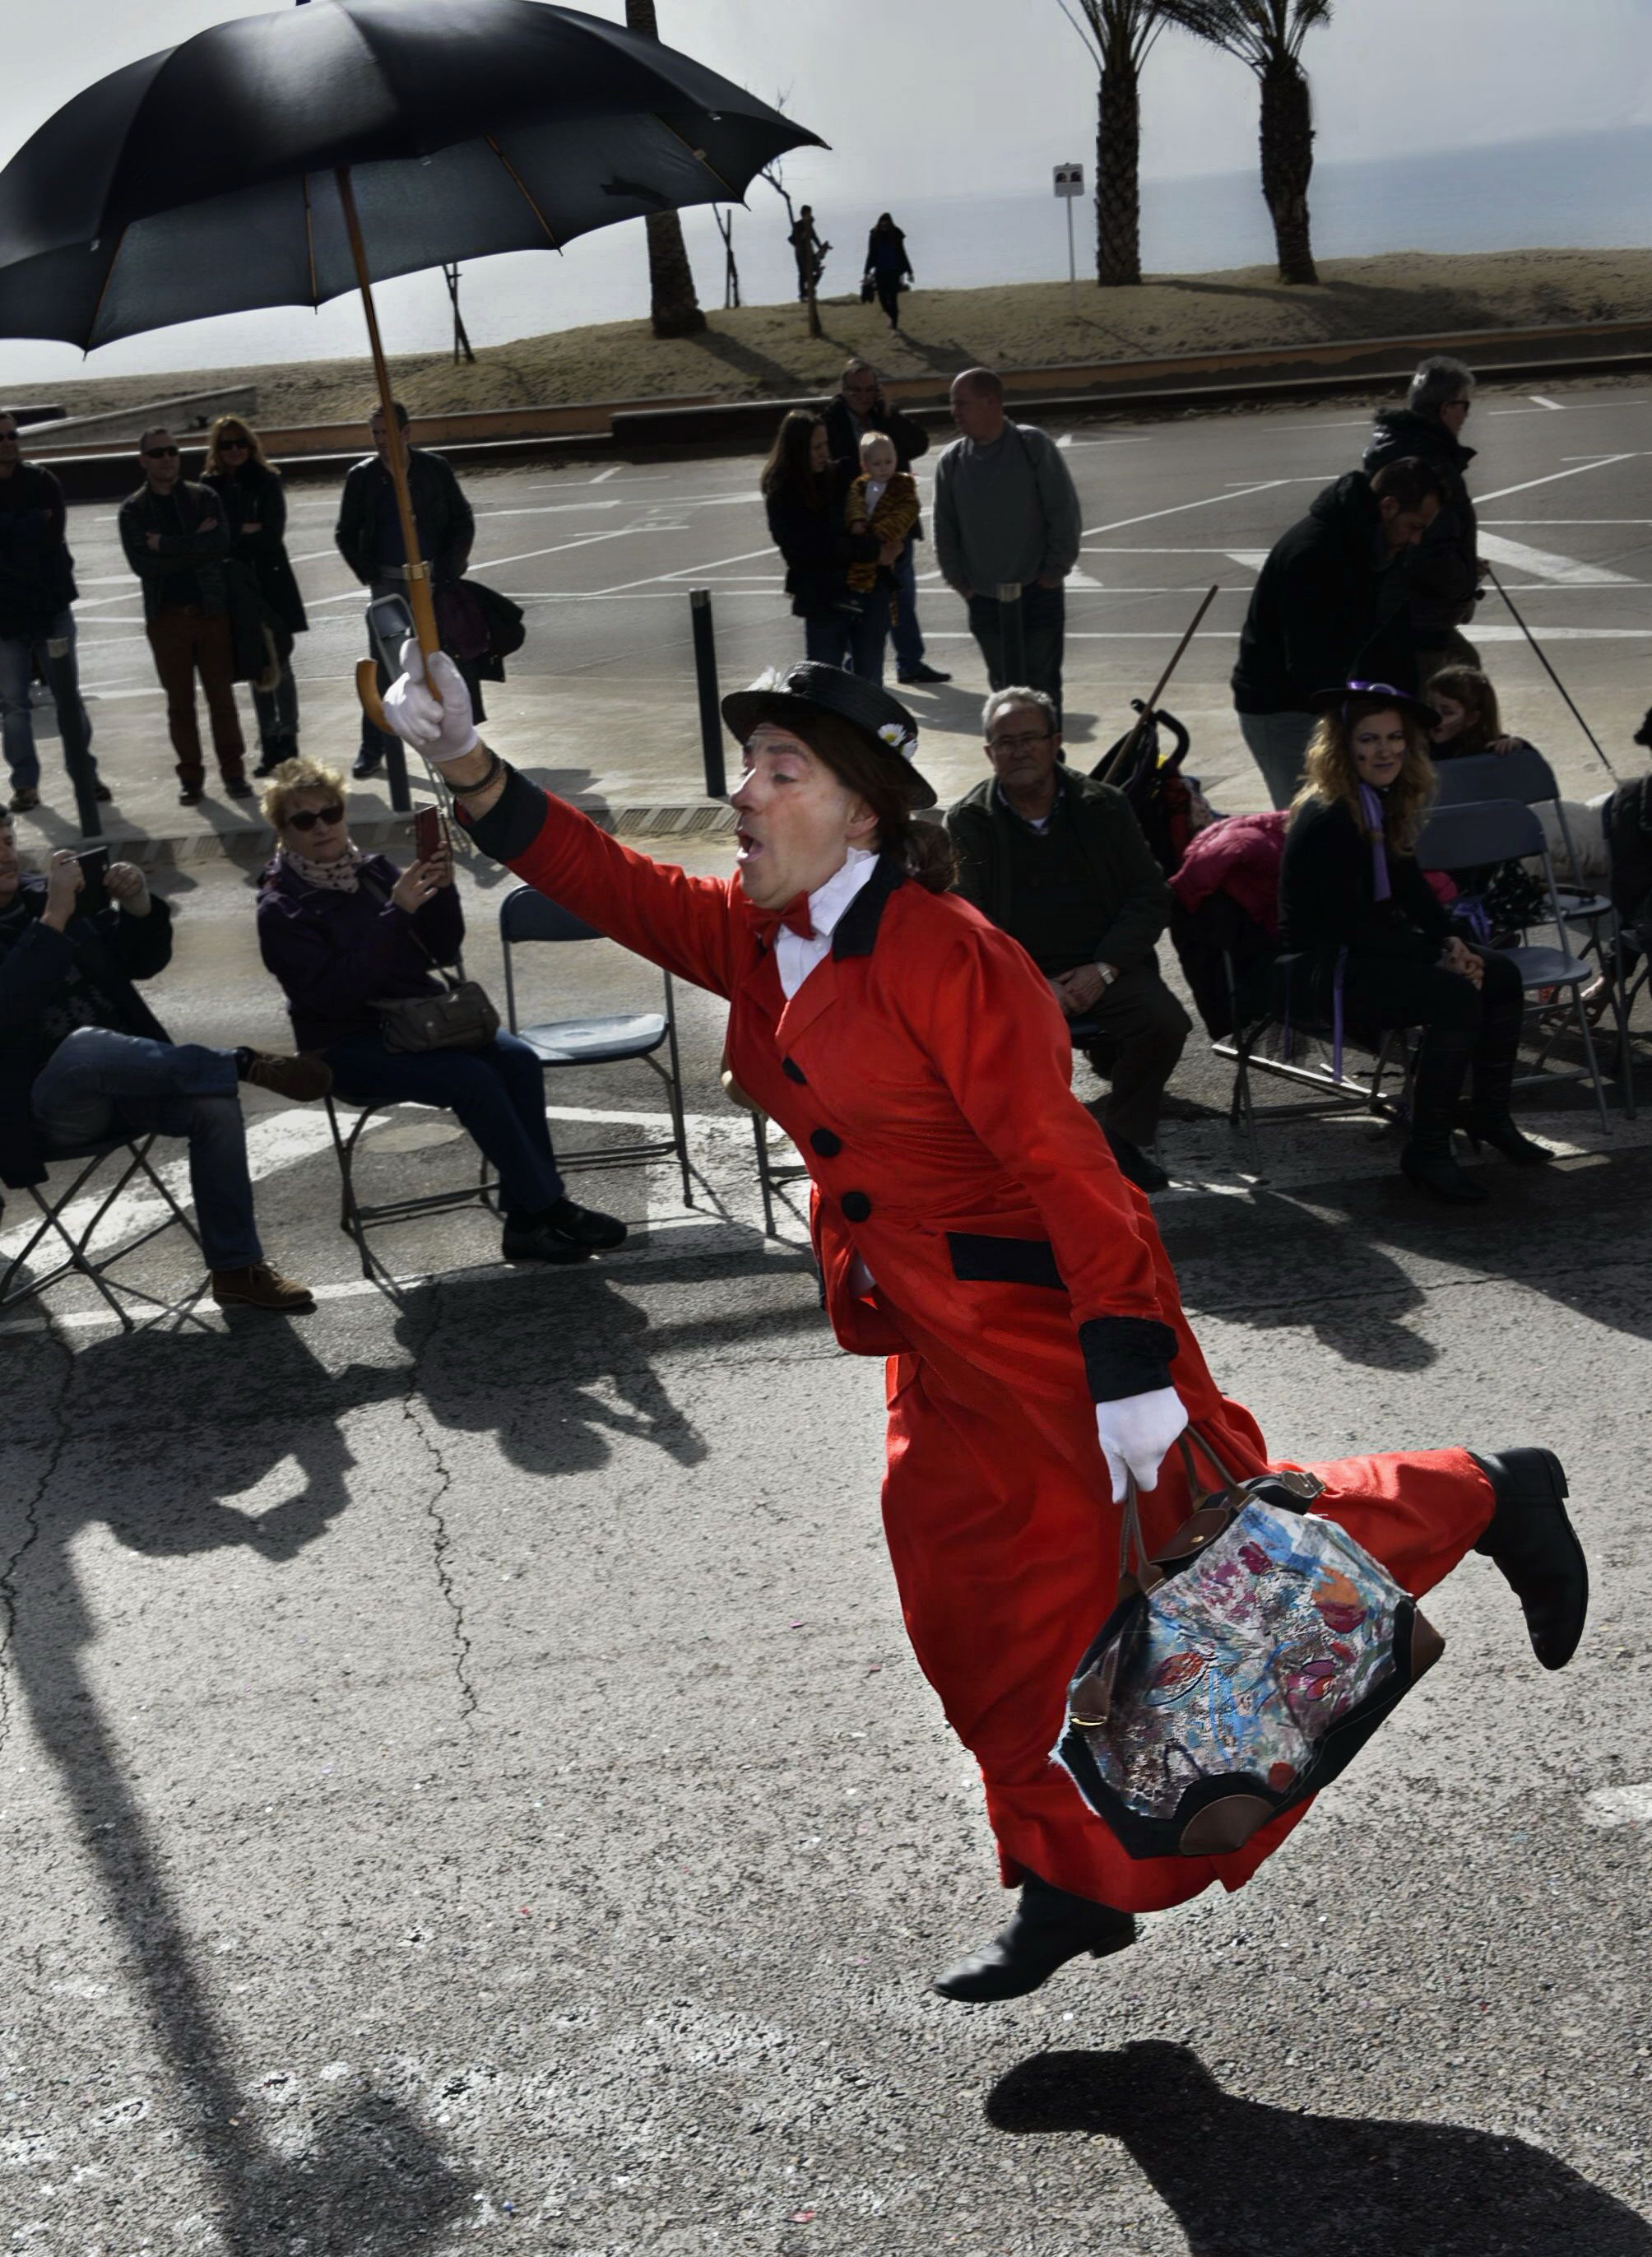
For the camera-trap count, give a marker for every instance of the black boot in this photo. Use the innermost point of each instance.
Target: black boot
(1426, 1160)
(1537, 1550)
(1488, 1120)
(1049, 1927)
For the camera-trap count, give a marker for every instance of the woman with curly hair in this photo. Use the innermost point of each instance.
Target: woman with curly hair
(249, 488)
(1378, 947)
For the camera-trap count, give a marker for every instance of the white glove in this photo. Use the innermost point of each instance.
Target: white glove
(1134, 1433)
(431, 714)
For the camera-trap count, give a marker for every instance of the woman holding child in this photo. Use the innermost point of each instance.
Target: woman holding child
(807, 496)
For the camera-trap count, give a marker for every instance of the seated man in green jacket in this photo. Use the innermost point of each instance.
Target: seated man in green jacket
(1059, 861)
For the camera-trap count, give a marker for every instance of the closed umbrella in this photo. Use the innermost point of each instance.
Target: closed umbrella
(283, 159)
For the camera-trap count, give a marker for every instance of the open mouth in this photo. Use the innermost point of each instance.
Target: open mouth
(746, 845)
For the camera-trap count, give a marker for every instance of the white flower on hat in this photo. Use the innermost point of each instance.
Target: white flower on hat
(897, 739)
(772, 677)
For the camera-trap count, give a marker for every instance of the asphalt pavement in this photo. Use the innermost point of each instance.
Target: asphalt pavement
(462, 1782)
(600, 703)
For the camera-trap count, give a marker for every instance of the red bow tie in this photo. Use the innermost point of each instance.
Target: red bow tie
(794, 917)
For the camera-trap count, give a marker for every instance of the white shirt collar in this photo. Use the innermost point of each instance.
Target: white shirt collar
(827, 902)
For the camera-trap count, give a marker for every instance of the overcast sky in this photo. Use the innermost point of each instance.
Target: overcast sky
(931, 98)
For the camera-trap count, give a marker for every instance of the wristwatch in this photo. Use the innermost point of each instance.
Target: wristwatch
(1109, 973)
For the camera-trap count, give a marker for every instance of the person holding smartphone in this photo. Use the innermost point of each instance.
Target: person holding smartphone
(344, 932)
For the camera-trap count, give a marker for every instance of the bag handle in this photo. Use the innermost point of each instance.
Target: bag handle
(454, 977)
(1131, 1538)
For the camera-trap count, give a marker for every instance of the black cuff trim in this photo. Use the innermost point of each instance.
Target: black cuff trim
(1125, 1355)
(513, 821)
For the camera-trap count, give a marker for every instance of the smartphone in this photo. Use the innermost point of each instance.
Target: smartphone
(94, 894)
(429, 833)
(389, 623)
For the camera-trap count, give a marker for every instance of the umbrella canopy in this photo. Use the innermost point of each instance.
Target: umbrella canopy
(204, 180)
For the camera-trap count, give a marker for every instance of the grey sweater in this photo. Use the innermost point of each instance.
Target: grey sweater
(1006, 512)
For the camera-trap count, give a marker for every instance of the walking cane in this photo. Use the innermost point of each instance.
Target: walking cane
(1542, 661)
(1127, 743)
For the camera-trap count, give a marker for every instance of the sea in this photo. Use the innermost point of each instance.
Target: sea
(1581, 191)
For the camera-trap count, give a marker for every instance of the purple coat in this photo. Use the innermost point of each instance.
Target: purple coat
(336, 954)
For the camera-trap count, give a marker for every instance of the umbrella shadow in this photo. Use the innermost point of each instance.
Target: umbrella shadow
(1240, 2177)
(371, 2179)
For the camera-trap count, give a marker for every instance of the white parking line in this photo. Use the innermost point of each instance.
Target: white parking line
(1208, 501)
(689, 571)
(1564, 571)
(1539, 401)
(1598, 463)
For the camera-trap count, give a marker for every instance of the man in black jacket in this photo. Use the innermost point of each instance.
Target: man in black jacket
(36, 624)
(1059, 862)
(370, 538)
(1442, 572)
(84, 1058)
(177, 540)
(1329, 605)
(857, 407)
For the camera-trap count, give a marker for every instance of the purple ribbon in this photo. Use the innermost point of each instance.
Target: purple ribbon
(1373, 810)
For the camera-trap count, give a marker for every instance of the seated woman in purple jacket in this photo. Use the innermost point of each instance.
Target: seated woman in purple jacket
(342, 932)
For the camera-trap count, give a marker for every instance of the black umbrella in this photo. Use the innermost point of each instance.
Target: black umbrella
(283, 159)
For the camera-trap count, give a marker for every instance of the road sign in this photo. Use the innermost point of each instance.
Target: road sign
(1070, 180)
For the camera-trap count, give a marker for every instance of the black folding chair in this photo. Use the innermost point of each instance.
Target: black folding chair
(78, 1260)
(356, 1217)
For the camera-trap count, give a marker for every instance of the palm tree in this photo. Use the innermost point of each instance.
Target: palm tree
(674, 307)
(1119, 33)
(1267, 36)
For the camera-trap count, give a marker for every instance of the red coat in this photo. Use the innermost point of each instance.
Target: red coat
(924, 1072)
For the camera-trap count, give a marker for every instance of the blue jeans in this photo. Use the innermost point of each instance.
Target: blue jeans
(497, 1094)
(98, 1084)
(854, 640)
(17, 656)
(907, 635)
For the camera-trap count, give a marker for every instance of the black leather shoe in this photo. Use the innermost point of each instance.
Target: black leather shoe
(366, 764)
(1439, 1174)
(536, 1241)
(1137, 1166)
(1498, 1131)
(1049, 1927)
(1535, 1549)
(586, 1226)
(924, 672)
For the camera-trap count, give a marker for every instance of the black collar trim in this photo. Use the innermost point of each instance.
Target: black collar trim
(856, 929)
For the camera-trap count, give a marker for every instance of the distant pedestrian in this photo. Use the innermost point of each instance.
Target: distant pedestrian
(251, 490)
(370, 538)
(177, 540)
(809, 250)
(1006, 518)
(36, 624)
(1329, 605)
(1443, 573)
(888, 269)
(858, 406)
(803, 492)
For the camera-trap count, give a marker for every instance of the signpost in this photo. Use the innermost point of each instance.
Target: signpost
(1069, 182)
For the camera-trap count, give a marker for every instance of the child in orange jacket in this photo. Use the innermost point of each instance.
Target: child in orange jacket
(883, 499)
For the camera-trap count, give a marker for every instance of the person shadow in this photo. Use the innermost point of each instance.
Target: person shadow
(371, 2179)
(1243, 2179)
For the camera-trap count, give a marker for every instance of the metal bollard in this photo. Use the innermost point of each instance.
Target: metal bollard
(1012, 640)
(63, 679)
(705, 670)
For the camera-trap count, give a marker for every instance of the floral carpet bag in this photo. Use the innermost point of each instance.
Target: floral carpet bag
(1245, 1666)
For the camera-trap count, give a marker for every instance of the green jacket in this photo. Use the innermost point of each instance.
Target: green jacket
(1133, 902)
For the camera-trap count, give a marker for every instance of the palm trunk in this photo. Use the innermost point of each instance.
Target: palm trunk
(1287, 162)
(674, 309)
(1118, 178)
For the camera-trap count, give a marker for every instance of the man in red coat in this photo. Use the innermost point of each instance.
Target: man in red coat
(973, 1226)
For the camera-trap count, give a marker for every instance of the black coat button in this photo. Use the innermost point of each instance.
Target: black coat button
(856, 1206)
(791, 1068)
(825, 1143)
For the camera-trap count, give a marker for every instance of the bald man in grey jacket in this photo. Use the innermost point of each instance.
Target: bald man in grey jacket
(1007, 514)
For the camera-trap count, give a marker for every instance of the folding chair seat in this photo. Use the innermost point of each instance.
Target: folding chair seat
(1464, 836)
(528, 918)
(78, 1260)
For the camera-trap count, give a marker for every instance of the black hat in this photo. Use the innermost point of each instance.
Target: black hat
(1376, 694)
(782, 693)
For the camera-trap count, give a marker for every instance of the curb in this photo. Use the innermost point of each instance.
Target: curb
(251, 842)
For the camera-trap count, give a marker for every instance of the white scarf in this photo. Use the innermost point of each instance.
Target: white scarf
(339, 877)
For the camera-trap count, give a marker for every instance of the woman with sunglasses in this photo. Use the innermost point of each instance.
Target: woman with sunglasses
(344, 931)
(249, 489)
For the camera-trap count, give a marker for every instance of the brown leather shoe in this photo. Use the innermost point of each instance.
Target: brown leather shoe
(303, 1078)
(261, 1287)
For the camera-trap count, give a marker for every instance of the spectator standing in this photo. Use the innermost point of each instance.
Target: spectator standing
(1007, 515)
(82, 1057)
(809, 250)
(1442, 572)
(343, 931)
(1329, 605)
(858, 406)
(37, 620)
(888, 268)
(370, 538)
(1058, 861)
(250, 491)
(177, 540)
(803, 493)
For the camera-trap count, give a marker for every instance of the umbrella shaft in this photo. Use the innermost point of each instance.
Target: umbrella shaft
(418, 596)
